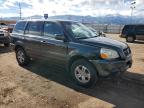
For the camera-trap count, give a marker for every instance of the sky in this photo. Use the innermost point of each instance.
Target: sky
(10, 8)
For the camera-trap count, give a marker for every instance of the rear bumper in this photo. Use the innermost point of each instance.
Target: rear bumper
(4, 39)
(106, 67)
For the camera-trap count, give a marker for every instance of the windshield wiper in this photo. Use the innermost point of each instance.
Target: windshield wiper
(82, 37)
(86, 37)
(94, 36)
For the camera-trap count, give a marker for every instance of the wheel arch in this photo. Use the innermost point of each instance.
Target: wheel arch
(77, 57)
(19, 44)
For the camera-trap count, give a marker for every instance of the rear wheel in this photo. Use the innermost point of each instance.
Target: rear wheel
(84, 74)
(22, 57)
(130, 39)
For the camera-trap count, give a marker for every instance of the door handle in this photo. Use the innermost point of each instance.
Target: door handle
(43, 41)
(49, 43)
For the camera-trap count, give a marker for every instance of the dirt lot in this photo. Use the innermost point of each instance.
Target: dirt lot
(41, 86)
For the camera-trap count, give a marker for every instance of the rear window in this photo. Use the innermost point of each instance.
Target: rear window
(20, 26)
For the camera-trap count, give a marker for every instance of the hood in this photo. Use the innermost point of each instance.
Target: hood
(104, 42)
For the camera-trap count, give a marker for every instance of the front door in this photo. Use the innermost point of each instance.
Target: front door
(52, 49)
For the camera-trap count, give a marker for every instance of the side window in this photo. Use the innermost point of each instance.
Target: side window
(34, 28)
(51, 29)
(140, 30)
(20, 26)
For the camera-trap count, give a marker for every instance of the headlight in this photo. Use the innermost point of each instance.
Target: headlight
(108, 53)
(6, 33)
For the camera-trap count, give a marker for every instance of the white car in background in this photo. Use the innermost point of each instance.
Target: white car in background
(4, 38)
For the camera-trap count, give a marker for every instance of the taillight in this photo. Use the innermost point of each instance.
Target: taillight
(6, 33)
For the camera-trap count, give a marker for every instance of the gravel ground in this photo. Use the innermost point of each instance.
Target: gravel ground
(40, 85)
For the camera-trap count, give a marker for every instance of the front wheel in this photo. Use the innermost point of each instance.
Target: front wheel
(21, 57)
(130, 39)
(84, 74)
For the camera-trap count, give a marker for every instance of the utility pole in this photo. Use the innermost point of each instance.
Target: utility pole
(20, 13)
(1, 22)
(132, 9)
(1, 18)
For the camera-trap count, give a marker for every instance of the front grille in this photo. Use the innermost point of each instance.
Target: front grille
(127, 51)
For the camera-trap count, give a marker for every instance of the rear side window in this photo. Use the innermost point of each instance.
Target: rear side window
(140, 29)
(34, 28)
(51, 29)
(20, 26)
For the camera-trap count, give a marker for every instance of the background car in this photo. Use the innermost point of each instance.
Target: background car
(4, 37)
(133, 32)
(126, 29)
(9, 28)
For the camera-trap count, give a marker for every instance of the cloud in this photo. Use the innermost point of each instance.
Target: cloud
(75, 7)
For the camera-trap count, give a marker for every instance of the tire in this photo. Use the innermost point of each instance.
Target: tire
(6, 44)
(22, 57)
(89, 77)
(130, 39)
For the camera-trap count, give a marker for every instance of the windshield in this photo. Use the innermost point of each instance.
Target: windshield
(11, 26)
(78, 30)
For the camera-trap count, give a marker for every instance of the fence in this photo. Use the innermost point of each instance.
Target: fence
(107, 28)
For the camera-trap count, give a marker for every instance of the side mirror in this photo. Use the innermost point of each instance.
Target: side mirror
(101, 34)
(59, 37)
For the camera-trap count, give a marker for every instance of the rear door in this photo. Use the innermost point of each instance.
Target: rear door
(52, 49)
(18, 32)
(140, 32)
(33, 38)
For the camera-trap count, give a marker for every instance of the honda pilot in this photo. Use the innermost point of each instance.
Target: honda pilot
(72, 45)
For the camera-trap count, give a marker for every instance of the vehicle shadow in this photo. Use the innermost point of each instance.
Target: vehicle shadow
(138, 42)
(118, 91)
(4, 49)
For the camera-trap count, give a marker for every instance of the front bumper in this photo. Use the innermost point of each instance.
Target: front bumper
(4, 39)
(111, 67)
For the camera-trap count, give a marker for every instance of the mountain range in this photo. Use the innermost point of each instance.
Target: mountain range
(108, 19)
